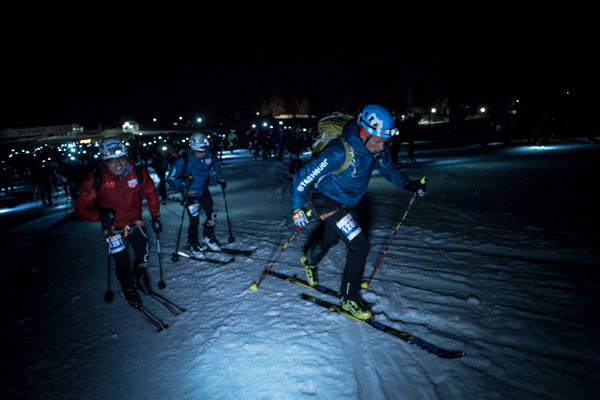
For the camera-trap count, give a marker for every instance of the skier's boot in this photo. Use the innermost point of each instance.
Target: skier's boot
(312, 276)
(132, 298)
(357, 309)
(142, 280)
(211, 243)
(197, 253)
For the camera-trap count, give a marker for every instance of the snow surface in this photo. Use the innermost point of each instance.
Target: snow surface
(501, 255)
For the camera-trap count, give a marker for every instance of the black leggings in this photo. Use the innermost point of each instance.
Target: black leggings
(138, 240)
(206, 202)
(339, 224)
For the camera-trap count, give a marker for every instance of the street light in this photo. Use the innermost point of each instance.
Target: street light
(433, 110)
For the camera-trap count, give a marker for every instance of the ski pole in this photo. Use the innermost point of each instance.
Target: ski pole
(254, 285)
(175, 256)
(108, 295)
(161, 283)
(231, 238)
(365, 284)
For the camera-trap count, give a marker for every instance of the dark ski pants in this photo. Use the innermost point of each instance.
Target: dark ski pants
(192, 205)
(137, 239)
(339, 224)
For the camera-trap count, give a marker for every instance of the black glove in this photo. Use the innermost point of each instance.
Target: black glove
(223, 183)
(188, 181)
(156, 225)
(106, 217)
(419, 187)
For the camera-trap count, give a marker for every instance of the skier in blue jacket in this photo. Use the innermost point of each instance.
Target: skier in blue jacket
(336, 192)
(190, 173)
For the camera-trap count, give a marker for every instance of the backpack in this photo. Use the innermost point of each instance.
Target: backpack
(98, 176)
(330, 127)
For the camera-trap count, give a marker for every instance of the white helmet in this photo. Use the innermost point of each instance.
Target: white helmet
(199, 142)
(112, 148)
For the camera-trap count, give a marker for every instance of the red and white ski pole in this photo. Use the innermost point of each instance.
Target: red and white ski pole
(366, 284)
(254, 285)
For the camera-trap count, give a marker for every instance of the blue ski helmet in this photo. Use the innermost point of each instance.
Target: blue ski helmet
(377, 121)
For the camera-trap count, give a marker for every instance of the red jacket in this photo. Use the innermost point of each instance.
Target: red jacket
(122, 194)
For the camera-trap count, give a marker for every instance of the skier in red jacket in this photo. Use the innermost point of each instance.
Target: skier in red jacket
(117, 205)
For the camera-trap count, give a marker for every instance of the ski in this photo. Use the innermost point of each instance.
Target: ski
(407, 337)
(303, 283)
(168, 304)
(209, 260)
(232, 251)
(153, 319)
(148, 316)
(224, 250)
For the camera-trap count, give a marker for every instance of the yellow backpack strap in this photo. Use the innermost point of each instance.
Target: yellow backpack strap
(349, 156)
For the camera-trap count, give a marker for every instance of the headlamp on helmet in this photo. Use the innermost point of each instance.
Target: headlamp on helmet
(199, 142)
(112, 148)
(377, 121)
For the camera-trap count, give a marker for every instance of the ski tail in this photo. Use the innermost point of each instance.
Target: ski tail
(168, 304)
(405, 336)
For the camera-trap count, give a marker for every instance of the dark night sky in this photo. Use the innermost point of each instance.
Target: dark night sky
(106, 65)
(91, 88)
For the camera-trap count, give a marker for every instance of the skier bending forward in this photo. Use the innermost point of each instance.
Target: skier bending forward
(335, 193)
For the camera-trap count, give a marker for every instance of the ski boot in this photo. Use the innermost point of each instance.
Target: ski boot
(211, 243)
(132, 298)
(142, 280)
(311, 272)
(197, 253)
(357, 309)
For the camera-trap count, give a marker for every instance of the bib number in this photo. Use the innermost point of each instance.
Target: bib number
(116, 244)
(349, 227)
(194, 209)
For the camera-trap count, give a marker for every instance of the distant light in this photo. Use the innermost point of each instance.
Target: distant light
(482, 109)
(433, 110)
(198, 120)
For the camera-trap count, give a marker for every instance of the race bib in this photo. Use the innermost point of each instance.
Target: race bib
(349, 227)
(116, 243)
(194, 209)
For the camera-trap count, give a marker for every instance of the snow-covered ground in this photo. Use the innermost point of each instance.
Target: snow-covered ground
(501, 256)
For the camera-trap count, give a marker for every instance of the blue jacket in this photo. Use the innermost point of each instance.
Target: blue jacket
(346, 187)
(199, 168)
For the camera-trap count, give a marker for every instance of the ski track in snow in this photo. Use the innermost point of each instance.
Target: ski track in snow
(486, 260)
